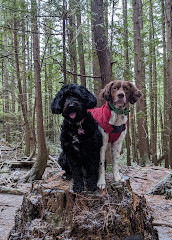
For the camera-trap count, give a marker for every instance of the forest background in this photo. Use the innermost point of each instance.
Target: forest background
(46, 44)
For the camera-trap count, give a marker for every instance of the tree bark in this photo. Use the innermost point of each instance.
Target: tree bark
(166, 89)
(133, 133)
(101, 42)
(27, 132)
(81, 47)
(154, 88)
(6, 86)
(96, 68)
(64, 42)
(139, 73)
(168, 8)
(72, 41)
(126, 73)
(21, 99)
(41, 162)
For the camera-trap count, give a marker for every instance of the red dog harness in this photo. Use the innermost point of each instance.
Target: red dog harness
(102, 116)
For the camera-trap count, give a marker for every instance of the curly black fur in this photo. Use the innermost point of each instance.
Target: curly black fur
(80, 138)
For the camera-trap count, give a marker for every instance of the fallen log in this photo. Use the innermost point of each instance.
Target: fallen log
(10, 190)
(164, 187)
(53, 211)
(162, 224)
(19, 164)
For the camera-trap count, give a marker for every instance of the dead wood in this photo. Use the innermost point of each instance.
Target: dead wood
(162, 224)
(11, 190)
(19, 164)
(163, 187)
(53, 211)
(54, 161)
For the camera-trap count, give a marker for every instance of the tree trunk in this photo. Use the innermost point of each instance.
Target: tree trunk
(13, 97)
(154, 88)
(64, 42)
(21, 99)
(41, 162)
(112, 27)
(50, 93)
(29, 70)
(81, 47)
(27, 134)
(6, 86)
(96, 69)
(101, 42)
(72, 41)
(133, 134)
(166, 89)
(126, 73)
(139, 72)
(168, 7)
(46, 102)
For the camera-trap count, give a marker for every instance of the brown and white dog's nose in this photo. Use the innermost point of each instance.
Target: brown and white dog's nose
(121, 95)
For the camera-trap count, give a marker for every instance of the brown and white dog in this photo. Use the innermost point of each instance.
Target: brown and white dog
(112, 118)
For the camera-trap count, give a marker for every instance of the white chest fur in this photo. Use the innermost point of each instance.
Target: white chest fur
(117, 119)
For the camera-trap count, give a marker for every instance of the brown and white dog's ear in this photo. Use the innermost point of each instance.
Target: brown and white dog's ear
(106, 92)
(135, 94)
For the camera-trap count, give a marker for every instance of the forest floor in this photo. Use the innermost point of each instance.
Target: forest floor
(143, 179)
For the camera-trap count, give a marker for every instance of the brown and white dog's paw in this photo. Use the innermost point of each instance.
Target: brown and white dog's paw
(118, 177)
(101, 184)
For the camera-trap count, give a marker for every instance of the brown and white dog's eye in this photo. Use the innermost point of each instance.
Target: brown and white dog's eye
(126, 88)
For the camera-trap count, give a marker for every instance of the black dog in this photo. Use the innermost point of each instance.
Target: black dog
(81, 139)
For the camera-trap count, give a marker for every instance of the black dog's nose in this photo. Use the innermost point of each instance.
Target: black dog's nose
(121, 95)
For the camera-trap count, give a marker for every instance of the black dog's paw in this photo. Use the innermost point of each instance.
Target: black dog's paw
(66, 176)
(78, 188)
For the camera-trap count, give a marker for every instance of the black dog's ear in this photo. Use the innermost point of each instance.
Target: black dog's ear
(135, 93)
(89, 98)
(57, 103)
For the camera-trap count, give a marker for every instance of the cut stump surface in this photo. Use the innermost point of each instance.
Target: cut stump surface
(53, 211)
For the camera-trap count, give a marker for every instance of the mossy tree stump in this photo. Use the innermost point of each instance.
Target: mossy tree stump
(53, 211)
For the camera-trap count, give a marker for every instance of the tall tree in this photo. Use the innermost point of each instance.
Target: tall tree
(168, 8)
(40, 164)
(153, 85)
(96, 69)
(21, 98)
(166, 95)
(6, 83)
(101, 41)
(64, 42)
(72, 40)
(80, 46)
(139, 73)
(27, 136)
(126, 73)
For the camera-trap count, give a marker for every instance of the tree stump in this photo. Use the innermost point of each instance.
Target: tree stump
(53, 211)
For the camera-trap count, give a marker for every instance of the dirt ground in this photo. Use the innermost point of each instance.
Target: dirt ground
(8, 205)
(142, 181)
